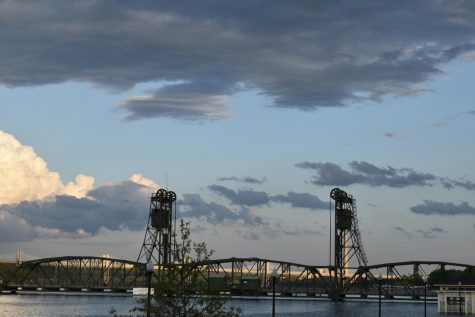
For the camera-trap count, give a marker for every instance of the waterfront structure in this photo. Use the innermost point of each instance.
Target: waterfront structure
(458, 299)
(348, 276)
(157, 244)
(348, 248)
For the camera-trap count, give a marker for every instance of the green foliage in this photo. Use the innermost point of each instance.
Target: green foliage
(7, 272)
(412, 279)
(182, 291)
(451, 276)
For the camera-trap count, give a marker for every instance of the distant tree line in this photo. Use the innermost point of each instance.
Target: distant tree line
(7, 271)
(452, 276)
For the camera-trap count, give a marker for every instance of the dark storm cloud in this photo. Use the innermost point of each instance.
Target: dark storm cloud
(430, 207)
(245, 179)
(471, 113)
(114, 207)
(247, 197)
(301, 200)
(330, 174)
(301, 54)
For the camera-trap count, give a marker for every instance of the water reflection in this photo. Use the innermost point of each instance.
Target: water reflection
(88, 306)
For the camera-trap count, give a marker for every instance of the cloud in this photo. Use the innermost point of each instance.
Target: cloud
(25, 175)
(301, 200)
(430, 207)
(403, 231)
(245, 179)
(330, 174)
(241, 197)
(431, 233)
(243, 221)
(301, 231)
(193, 206)
(438, 230)
(116, 206)
(13, 228)
(141, 180)
(178, 101)
(471, 112)
(35, 203)
(80, 187)
(468, 185)
(390, 134)
(303, 55)
(259, 198)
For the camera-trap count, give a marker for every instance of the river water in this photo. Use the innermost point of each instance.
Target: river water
(88, 306)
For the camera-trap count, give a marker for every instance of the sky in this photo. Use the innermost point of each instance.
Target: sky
(251, 111)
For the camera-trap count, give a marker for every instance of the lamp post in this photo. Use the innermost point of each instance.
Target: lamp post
(274, 277)
(149, 268)
(425, 296)
(380, 279)
(460, 297)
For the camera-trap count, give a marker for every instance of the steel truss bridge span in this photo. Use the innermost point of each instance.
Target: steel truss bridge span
(79, 273)
(253, 276)
(236, 276)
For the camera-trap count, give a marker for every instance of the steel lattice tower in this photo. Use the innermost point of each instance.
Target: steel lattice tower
(347, 244)
(157, 243)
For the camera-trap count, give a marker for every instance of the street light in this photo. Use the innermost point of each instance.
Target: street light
(380, 279)
(149, 268)
(425, 296)
(460, 297)
(274, 277)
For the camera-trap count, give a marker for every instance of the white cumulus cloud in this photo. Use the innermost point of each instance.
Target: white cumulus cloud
(140, 179)
(25, 176)
(36, 204)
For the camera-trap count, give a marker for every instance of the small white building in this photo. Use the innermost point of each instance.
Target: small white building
(456, 299)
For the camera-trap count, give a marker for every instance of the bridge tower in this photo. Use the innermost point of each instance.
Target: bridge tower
(348, 247)
(157, 243)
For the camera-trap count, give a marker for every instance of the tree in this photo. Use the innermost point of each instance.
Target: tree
(182, 291)
(7, 272)
(452, 276)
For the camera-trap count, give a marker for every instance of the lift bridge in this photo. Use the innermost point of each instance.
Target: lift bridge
(347, 275)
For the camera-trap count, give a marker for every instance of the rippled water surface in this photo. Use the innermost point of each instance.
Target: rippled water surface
(71, 305)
